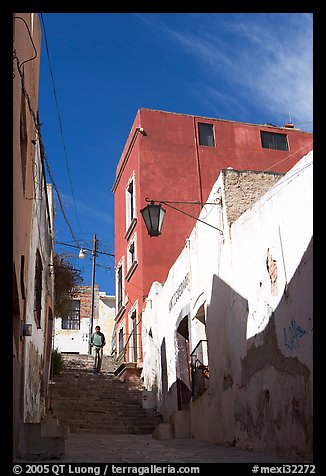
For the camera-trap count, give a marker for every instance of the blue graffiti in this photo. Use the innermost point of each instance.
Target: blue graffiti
(292, 335)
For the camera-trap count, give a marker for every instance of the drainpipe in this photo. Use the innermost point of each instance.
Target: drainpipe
(198, 164)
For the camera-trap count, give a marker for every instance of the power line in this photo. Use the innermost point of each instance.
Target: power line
(85, 249)
(288, 156)
(60, 123)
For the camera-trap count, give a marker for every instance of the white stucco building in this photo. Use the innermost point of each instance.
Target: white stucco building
(227, 339)
(72, 333)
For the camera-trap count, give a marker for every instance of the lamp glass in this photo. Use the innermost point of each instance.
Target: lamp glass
(81, 254)
(153, 217)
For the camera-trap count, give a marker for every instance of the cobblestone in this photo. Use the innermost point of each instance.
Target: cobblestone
(145, 449)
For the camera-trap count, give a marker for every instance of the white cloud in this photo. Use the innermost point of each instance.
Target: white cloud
(263, 60)
(91, 211)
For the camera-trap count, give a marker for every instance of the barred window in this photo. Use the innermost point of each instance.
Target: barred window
(72, 321)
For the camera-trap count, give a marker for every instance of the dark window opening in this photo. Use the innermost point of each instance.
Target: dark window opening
(206, 134)
(134, 336)
(272, 140)
(132, 253)
(22, 274)
(119, 286)
(38, 289)
(120, 340)
(72, 321)
(131, 201)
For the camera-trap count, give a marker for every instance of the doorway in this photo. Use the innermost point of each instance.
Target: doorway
(183, 365)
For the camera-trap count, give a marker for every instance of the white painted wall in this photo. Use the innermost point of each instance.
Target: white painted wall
(77, 341)
(69, 340)
(259, 337)
(106, 319)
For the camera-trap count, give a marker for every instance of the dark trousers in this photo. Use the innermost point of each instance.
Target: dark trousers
(98, 355)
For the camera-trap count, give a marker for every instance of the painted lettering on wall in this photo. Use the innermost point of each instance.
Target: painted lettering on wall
(179, 291)
(293, 334)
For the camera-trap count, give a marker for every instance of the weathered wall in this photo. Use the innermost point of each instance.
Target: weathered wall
(242, 189)
(106, 319)
(36, 357)
(255, 285)
(23, 188)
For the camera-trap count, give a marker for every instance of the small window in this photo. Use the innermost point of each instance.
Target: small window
(119, 286)
(130, 202)
(206, 134)
(134, 336)
(131, 253)
(272, 140)
(72, 321)
(120, 340)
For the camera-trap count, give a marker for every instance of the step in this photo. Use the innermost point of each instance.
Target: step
(90, 403)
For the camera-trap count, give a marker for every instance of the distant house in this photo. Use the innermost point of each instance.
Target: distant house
(72, 332)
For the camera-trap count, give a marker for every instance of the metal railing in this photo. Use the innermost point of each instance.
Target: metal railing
(199, 368)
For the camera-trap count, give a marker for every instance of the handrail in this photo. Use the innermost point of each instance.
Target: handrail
(199, 343)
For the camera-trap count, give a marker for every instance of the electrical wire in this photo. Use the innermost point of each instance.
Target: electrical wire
(288, 156)
(60, 122)
(37, 125)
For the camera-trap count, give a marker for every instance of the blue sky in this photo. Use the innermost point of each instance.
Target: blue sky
(253, 68)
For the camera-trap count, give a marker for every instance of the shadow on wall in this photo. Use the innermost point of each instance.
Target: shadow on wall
(178, 396)
(259, 394)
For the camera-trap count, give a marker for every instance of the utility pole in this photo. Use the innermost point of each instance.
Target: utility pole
(94, 254)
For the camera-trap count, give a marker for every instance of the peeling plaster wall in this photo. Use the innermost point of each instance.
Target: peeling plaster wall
(106, 314)
(256, 285)
(243, 188)
(36, 365)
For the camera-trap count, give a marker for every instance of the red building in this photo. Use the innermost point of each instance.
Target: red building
(178, 157)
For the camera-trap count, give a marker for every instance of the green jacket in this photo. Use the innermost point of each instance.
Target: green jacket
(97, 339)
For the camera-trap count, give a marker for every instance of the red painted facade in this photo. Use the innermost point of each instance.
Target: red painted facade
(163, 160)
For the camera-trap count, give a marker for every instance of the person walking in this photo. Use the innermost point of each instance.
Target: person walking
(97, 341)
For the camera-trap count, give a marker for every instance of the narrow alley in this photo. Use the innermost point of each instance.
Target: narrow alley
(108, 424)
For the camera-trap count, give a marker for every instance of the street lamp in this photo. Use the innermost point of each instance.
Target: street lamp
(82, 256)
(153, 217)
(153, 214)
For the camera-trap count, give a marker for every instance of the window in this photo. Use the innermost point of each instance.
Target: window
(131, 253)
(131, 258)
(273, 140)
(120, 340)
(133, 318)
(206, 134)
(38, 289)
(119, 286)
(130, 203)
(72, 321)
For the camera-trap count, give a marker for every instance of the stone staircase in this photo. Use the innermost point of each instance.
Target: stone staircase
(98, 403)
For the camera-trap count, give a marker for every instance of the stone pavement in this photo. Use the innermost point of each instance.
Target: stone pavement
(88, 448)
